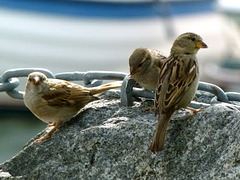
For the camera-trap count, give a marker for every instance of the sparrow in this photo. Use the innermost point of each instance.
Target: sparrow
(57, 101)
(177, 83)
(145, 65)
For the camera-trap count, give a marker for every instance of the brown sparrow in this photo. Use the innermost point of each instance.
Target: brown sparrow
(57, 101)
(145, 66)
(177, 84)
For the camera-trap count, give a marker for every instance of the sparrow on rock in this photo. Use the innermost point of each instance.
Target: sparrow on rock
(145, 65)
(177, 83)
(57, 101)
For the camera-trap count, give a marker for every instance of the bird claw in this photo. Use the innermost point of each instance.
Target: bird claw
(148, 108)
(49, 134)
(42, 138)
(53, 124)
(194, 111)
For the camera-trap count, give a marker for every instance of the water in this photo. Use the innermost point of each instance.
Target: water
(17, 127)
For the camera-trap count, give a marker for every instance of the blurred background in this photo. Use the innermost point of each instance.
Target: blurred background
(78, 35)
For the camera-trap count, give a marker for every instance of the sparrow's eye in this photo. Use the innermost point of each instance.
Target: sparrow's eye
(193, 39)
(139, 65)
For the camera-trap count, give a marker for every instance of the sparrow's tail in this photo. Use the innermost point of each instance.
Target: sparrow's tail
(105, 87)
(160, 133)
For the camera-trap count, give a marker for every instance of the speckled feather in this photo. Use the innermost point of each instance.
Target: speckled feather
(57, 101)
(180, 78)
(177, 83)
(67, 94)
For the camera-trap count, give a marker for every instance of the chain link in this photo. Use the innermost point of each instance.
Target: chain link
(9, 82)
(127, 93)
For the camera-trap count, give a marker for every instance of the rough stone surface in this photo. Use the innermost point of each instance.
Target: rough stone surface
(107, 141)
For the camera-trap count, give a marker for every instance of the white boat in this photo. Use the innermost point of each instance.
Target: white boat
(94, 35)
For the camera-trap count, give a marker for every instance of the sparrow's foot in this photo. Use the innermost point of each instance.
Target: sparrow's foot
(194, 111)
(148, 108)
(50, 133)
(42, 138)
(53, 124)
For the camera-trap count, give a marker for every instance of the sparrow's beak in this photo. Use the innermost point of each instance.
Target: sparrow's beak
(200, 44)
(135, 70)
(35, 80)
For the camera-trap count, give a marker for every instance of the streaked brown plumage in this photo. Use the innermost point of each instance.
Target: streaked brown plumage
(177, 84)
(57, 101)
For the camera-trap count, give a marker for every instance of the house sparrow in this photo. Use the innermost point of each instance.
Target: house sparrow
(57, 101)
(145, 66)
(177, 84)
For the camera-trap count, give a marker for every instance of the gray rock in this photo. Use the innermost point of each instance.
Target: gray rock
(107, 141)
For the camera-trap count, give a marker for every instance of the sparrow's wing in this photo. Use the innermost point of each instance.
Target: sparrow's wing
(67, 94)
(175, 78)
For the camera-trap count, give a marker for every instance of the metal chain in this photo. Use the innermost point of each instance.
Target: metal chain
(9, 82)
(127, 93)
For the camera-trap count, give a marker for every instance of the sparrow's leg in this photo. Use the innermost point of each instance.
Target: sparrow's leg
(53, 124)
(148, 108)
(50, 133)
(194, 111)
